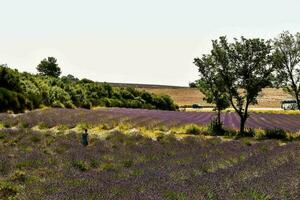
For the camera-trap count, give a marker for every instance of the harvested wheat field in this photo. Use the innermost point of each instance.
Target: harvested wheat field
(269, 98)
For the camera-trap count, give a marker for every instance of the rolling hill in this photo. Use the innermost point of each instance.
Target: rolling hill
(269, 98)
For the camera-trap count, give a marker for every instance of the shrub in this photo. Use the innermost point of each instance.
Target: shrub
(94, 163)
(23, 125)
(19, 176)
(10, 100)
(192, 129)
(215, 128)
(82, 126)
(170, 195)
(247, 133)
(43, 125)
(81, 165)
(108, 167)
(63, 127)
(35, 139)
(275, 134)
(8, 190)
(127, 163)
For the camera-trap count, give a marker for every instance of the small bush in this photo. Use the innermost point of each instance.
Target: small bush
(170, 195)
(81, 165)
(2, 136)
(167, 139)
(192, 129)
(8, 190)
(35, 139)
(19, 176)
(108, 167)
(94, 163)
(127, 163)
(82, 126)
(63, 127)
(247, 133)
(43, 125)
(247, 142)
(275, 134)
(215, 128)
(23, 125)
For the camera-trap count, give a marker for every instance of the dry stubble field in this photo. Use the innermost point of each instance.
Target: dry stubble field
(269, 98)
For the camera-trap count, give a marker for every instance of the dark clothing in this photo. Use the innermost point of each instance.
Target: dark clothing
(84, 139)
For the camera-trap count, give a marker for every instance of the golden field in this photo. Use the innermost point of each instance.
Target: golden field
(269, 98)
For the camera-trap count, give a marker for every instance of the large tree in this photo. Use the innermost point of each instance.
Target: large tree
(49, 67)
(286, 58)
(244, 69)
(211, 85)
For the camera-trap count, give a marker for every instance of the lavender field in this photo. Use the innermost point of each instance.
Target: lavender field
(54, 117)
(43, 165)
(41, 157)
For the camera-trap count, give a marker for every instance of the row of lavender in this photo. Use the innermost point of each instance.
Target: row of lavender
(192, 168)
(53, 117)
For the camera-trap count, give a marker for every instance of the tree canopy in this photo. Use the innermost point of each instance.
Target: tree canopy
(286, 59)
(211, 84)
(49, 67)
(240, 70)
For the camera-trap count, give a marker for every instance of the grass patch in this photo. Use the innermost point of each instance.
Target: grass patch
(108, 167)
(43, 125)
(127, 163)
(35, 139)
(19, 176)
(23, 125)
(81, 165)
(193, 129)
(8, 190)
(171, 195)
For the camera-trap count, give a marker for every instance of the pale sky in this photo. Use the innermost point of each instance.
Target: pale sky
(132, 41)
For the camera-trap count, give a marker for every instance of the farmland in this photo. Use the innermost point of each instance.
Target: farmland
(42, 158)
(150, 118)
(269, 98)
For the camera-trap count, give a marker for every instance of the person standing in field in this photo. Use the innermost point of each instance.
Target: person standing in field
(84, 138)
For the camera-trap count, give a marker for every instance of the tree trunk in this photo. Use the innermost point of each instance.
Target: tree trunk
(298, 100)
(242, 125)
(219, 116)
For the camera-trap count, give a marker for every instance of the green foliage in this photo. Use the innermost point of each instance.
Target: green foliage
(286, 59)
(10, 100)
(247, 133)
(35, 139)
(240, 70)
(275, 134)
(19, 176)
(81, 165)
(127, 163)
(23, 125)
(171, 195)
(9, 78)
(21, 91)
(8, 190)
(192, 129)
(49, 67)
(215, 128)
(211, 84)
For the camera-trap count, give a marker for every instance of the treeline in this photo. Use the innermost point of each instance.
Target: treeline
(25, 91)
